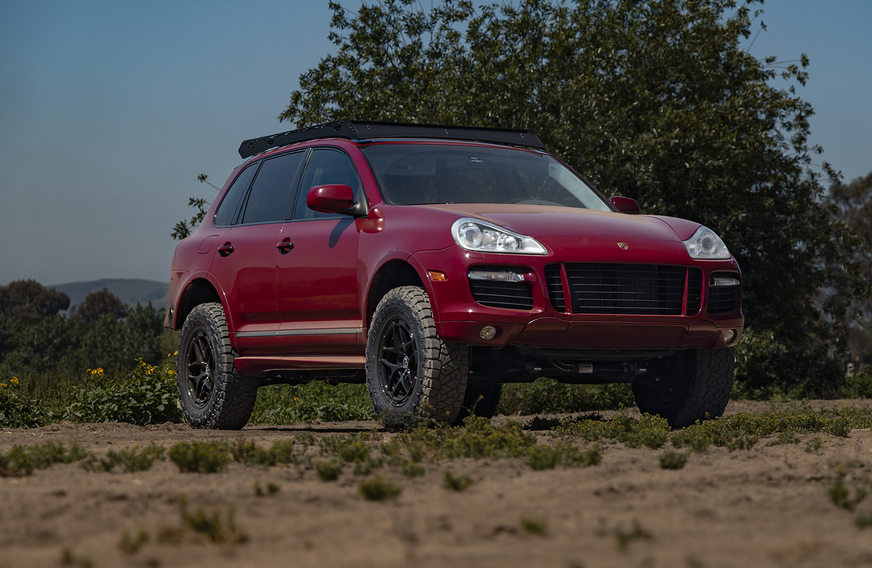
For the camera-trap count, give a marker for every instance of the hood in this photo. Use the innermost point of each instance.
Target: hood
(592, 234)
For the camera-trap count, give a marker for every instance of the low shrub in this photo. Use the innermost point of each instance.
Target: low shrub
(672, 460)
(328, 470)
(649, 431)
(130, 459)
(550, 396)
(199, 457)
(22, 460)
(17, 410)
(147, 396)
(378, 489)
(316, 401)
(477, 438)
(459, 483)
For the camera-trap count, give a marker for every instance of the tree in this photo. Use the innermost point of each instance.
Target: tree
(98, 303)
(652, 99)
(184, 228)
(852, 203)
(29, 301)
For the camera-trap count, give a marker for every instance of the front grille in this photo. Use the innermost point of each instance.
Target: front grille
(625, 289)
(555, 287)
(694, 291)
(723, 300)
(509, 295)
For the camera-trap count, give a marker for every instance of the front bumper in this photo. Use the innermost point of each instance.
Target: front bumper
(549, 321)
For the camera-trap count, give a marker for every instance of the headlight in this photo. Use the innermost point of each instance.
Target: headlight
(471, 234)
(706, 245)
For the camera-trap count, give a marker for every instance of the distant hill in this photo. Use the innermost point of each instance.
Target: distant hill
(129, 291)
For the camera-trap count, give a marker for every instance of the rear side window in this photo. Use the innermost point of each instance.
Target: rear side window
(227, 210)
(272, 186)
(326, 167)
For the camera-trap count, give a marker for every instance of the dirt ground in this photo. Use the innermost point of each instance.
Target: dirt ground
(767, 506)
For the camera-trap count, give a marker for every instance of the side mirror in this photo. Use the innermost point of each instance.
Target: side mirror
(625, 205)
(330, 199)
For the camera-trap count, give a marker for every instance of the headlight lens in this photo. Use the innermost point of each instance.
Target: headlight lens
(474, 235)
(705, 244)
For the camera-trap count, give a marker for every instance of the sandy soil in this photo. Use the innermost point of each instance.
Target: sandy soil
(767, 506)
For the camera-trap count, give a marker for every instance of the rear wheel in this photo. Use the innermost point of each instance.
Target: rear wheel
(211, 392)
(410, 372)
(693, 385)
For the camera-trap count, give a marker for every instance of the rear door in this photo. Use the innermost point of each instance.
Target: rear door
(245, 260)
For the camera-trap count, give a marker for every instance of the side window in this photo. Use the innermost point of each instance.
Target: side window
(227, 210)
(326, 167)
(272, 186)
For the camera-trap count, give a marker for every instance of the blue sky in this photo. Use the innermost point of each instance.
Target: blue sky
(109, 110)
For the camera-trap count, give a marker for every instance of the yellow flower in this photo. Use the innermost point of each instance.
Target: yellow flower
(14, 380)
(176, 353)
(171, 372)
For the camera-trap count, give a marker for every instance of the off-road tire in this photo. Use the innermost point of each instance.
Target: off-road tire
(699, 388)
(481, 399)
(211, 392)
(411, 373)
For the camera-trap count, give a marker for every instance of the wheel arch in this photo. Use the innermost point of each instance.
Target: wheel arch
(197, 291)
(391, 274)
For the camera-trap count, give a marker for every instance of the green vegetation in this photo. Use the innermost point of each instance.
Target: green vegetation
(458, 483)
(208, 526)
(847, 488)
(130, 545)
(271, 489)
(285, 404)
(626, 537)
(22, 460)
(200, 457)
(131, 460)
(672, 460)
(145, 395)
(863, 520)
(534, 526)
(649, 431)
(377, 489)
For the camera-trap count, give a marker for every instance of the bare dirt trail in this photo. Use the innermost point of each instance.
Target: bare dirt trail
(767, 506)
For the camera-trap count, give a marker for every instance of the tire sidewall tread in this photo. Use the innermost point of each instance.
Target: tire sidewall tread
(233, 396)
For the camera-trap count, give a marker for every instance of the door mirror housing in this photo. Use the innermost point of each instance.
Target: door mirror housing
(331, 199)
(625, 205)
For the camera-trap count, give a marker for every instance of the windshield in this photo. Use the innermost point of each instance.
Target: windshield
(415, 174)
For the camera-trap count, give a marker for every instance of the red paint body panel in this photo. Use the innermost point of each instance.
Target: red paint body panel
(308, 308)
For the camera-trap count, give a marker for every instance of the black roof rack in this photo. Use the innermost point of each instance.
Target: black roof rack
(361, 130)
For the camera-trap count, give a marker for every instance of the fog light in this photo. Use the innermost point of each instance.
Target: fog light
(729, 336)
(487, 333)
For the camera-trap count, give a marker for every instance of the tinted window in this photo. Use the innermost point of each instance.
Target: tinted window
(269, 193)
(411, 174)
(227, 209)
(326, 167)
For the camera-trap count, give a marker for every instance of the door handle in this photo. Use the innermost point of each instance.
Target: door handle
(225, 250)
(285, 246)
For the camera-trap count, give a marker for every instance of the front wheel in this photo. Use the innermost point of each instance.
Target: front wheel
(692, 385)
(410, 372)
(211, 392)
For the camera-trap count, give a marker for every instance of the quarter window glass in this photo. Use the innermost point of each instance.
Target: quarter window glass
(326, 167)
(273, 184)
(227, 209)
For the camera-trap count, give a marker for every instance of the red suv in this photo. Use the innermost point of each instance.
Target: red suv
(435, 264)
